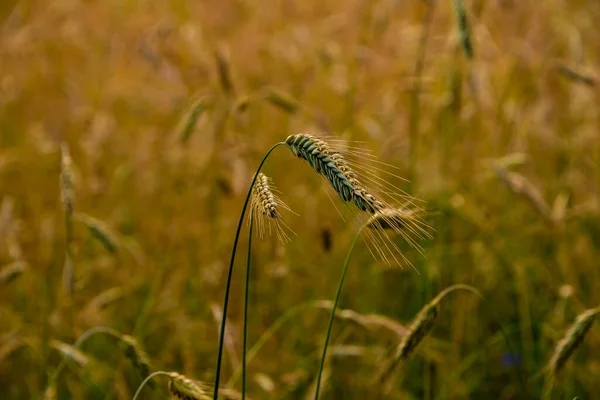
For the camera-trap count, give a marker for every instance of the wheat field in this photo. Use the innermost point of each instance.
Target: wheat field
(130, 132)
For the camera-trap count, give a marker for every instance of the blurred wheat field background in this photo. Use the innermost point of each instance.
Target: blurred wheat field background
(489, 109)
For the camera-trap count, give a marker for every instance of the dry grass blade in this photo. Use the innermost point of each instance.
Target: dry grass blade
(572, 339)
(366, 321)
(282, 100)
(463, 27)
(224, 72)
(10, 346)
(70, 352)
(266, 208)
(66, 179)
(184, 388)
(105, 298)
(521, 186)
(200, 106)
(12, 271)
(100, 231)
(134, 352)
(50, 393)
(68, 199)
(69, 274)
(6, 215)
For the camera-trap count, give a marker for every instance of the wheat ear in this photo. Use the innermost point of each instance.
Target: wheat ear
(567, 345)
(184, 388)
(366, 190)
(136, 354)
(266, 208)
(332, 164)
(421, 326)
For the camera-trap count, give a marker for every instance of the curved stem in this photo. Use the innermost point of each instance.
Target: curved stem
(152, 375)
(246, 311)
(85, 336)
(335, 303)
(230, 272)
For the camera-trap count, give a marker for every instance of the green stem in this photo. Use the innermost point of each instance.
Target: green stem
(230, 273)
(246, 311)
(152, 375)
(332, 316)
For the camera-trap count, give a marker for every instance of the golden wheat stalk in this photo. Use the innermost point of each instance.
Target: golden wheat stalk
(266, 208)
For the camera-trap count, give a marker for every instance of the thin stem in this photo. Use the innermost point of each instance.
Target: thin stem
(335, 303)
(246, 310)
(152, 375)
(230, 273)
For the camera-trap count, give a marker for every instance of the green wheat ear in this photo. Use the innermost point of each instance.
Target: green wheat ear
(572, 340)
(330, 163)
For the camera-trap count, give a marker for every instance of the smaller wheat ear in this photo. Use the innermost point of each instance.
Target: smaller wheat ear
(185, 388)
(266, 208)
(136, 354)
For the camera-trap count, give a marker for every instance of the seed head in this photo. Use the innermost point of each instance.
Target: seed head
(266, 207)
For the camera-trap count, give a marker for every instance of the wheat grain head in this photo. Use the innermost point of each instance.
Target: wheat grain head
(373, 196)
(266, 208)
(572, 339)
(184, 388)
(136, 354)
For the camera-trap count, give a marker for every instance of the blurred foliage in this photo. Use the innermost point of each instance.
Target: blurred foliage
(167, 108)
